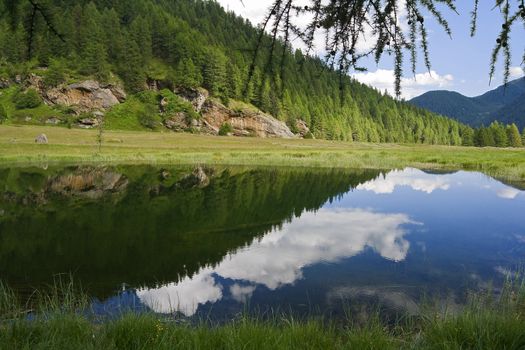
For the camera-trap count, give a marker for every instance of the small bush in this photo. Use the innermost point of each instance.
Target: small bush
(225, 129)
(3, 114)
(147, 120)
(55, 75)
(27, 100)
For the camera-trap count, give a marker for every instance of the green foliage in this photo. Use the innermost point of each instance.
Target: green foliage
(175, 104)
(196, 43)
(149, 118)
(55, 74)
(27, 100)
(225, 129)
(3, 114)
(188, 75)
(513, 135)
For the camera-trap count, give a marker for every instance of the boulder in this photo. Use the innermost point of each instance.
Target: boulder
(197, 97)
(53, 121)
(41, 139)
(302, 128)
(88, 123)
(177, 122)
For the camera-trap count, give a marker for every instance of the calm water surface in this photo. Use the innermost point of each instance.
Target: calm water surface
(196, 242)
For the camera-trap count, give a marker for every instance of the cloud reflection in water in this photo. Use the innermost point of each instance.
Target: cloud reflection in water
(278, 258)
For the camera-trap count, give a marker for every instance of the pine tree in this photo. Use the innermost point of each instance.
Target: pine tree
(499, 133)
(132, 71)
(187, 74)
(234, 81)
(214, 75)
(514, 136)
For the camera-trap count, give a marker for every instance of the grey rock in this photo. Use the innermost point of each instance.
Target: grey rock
(53, 121)
(41, 139)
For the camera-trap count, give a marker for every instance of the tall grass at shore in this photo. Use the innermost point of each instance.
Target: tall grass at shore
(58, 320)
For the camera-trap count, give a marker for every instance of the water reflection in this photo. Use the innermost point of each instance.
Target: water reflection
(278, 258)
(417, 180)
(208, 240)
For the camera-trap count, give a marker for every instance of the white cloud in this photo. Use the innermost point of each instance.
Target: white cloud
(383, 79)
(279, 257)
(416, 179)
(516, 72)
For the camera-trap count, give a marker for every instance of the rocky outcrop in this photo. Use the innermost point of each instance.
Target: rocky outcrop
(302, 128)
(197, 97)
(244, 123)
(84, 97)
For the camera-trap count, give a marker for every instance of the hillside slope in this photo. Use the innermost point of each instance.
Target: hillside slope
(161, 44)
(505, 104)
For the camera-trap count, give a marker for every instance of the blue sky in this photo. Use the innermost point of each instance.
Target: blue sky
(459, 64)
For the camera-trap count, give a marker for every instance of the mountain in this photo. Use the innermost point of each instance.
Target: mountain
(505, 104)
(154, 46)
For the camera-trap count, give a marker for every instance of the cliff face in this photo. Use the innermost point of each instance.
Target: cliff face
(93, 98)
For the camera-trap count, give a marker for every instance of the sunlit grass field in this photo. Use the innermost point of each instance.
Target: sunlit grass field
(17, 147)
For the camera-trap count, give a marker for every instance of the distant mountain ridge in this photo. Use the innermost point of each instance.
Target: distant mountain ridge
(505, 104)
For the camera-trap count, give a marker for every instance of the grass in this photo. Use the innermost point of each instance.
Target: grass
(486, 322)
(17, 147)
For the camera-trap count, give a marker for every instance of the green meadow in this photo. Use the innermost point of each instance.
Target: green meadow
(18, 147)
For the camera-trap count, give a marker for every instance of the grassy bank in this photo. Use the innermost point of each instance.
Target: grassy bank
(487, 322)
(80, 146)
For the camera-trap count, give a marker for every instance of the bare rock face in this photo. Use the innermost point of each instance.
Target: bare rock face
(177, 122)
(302, 128)
(85, 96)
(197, 97)
(244, 123)
(41, 139)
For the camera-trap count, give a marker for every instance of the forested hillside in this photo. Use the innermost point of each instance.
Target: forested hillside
(190, 43)
(505, 104)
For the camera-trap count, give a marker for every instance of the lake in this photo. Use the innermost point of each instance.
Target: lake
(215, 242)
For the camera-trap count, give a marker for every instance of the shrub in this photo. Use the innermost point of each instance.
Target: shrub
(3, 114)
(147, 120)
(149, 117)
(26, 100)
(55, 75)
(225, 129)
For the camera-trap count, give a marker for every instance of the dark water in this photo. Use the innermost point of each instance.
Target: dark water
(219, 241)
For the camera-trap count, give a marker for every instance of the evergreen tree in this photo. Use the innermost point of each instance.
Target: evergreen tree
(187, 74)
(214, 74)
(484, 138)
(513, 135)
(234, 81)
(132, 70)
(500, 134)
